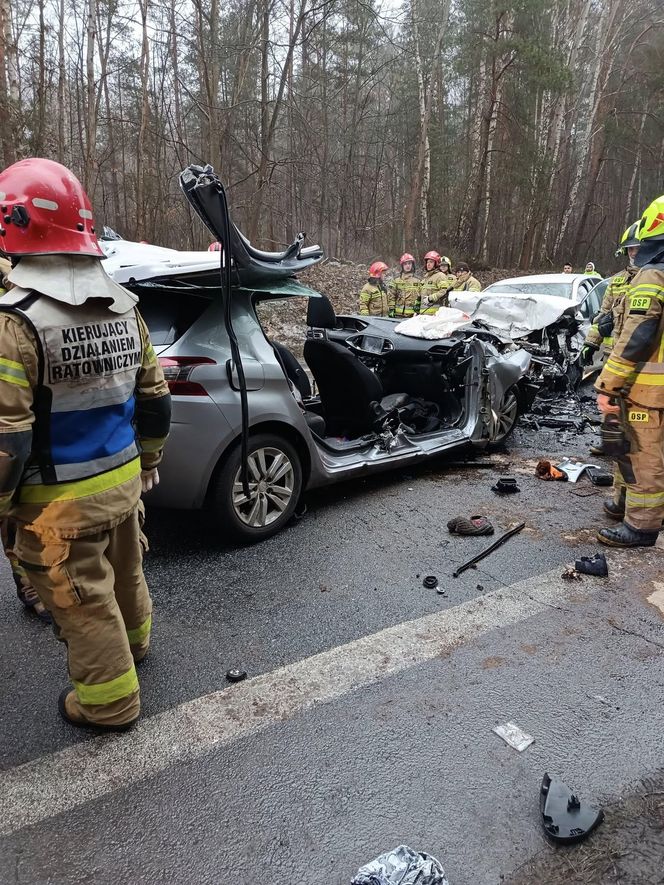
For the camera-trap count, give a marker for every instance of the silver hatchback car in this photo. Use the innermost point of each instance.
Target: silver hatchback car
(381, 400)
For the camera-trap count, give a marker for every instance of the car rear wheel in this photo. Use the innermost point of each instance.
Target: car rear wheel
(275, 483)
(507, 416)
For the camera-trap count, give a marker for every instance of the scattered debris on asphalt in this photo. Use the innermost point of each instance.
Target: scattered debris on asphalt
(485, 465)
(564, 817)
(402, 866)
(506, 485)
(574, 470)
(475, 525)
(570, 574)
(431, 583)
(593, 565)
(496, 544)
(599, 477)
(545, 470)
(514, 736)
(235, 674)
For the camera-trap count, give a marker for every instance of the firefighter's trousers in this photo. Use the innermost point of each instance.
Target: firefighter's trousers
(639, 478)
(95, 589)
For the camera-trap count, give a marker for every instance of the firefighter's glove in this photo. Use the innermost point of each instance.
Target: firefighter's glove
(588, 352)
(149, 479)
(607, 405)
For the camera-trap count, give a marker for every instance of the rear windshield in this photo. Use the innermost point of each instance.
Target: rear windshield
(169, 314)
(561, 290)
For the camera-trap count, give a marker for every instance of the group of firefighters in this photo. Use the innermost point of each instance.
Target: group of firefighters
(408, 294)
(85, 412)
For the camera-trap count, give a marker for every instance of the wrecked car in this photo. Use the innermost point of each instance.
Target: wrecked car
(551, 327)
(250, 435)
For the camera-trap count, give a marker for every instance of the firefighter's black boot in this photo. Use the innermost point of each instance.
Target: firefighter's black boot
(625, 536)
(615, 511)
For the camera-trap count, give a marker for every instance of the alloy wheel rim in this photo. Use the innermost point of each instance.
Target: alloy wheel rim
(271, 486)
(506, 415)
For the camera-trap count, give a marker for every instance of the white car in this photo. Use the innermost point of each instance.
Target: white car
(572, 286)
(548, 314)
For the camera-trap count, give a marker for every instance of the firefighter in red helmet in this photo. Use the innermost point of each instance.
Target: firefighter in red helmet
(374, 300)
(436, 282)
(84, 413)
(404, 290)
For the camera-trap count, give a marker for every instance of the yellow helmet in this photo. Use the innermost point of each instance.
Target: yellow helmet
(651, 226)
(445, 260)
(629, 238)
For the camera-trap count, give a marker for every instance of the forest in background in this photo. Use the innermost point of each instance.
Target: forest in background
(513, 134)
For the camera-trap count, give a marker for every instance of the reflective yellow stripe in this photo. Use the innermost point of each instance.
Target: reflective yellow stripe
(107, 692)
(609, 342)
(152, 445)
(11, 364)
(617, 369)
(13, 372)
(140, 633)
(645, 499)
(22, 382)
(650, 380)
(69, 491)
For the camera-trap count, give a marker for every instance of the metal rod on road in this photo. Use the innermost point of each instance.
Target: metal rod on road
(490, 549)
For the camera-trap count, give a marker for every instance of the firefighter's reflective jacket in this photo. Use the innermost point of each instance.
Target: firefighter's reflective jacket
(636, 364)
(434, 290)
(374, 300)
(83, 408)
(606, 326)
(404, 295)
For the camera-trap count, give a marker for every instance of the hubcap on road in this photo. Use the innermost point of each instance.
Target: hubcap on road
(271, 482)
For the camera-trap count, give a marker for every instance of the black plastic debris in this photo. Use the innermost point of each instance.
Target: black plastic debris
(593, 565)
(402, 866)
(235, 674)
(488, 550)
(506, 485)
(564, 817)
(431, 583)
(599, 477)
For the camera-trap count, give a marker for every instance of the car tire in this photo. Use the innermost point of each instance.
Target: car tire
(275, 484)
(508, 415)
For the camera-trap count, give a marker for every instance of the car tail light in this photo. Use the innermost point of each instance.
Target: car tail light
(177, 370)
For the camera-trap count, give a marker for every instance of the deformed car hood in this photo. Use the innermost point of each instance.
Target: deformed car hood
(516, 314)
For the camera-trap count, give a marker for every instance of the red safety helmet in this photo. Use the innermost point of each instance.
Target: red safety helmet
(45, 211)
(405, 258)
(432, 256)
(377, 268)
(214, 247)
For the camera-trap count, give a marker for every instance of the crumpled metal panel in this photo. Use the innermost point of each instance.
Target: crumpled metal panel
(402, 866)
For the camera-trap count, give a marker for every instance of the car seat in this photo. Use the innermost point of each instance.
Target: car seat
(351, 394)
(292, 369)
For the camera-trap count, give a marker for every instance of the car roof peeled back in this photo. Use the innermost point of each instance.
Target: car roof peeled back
(139, 265)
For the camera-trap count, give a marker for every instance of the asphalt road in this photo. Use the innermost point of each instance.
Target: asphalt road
(367, 717)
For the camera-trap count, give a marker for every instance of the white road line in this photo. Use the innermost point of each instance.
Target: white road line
(42, 788)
